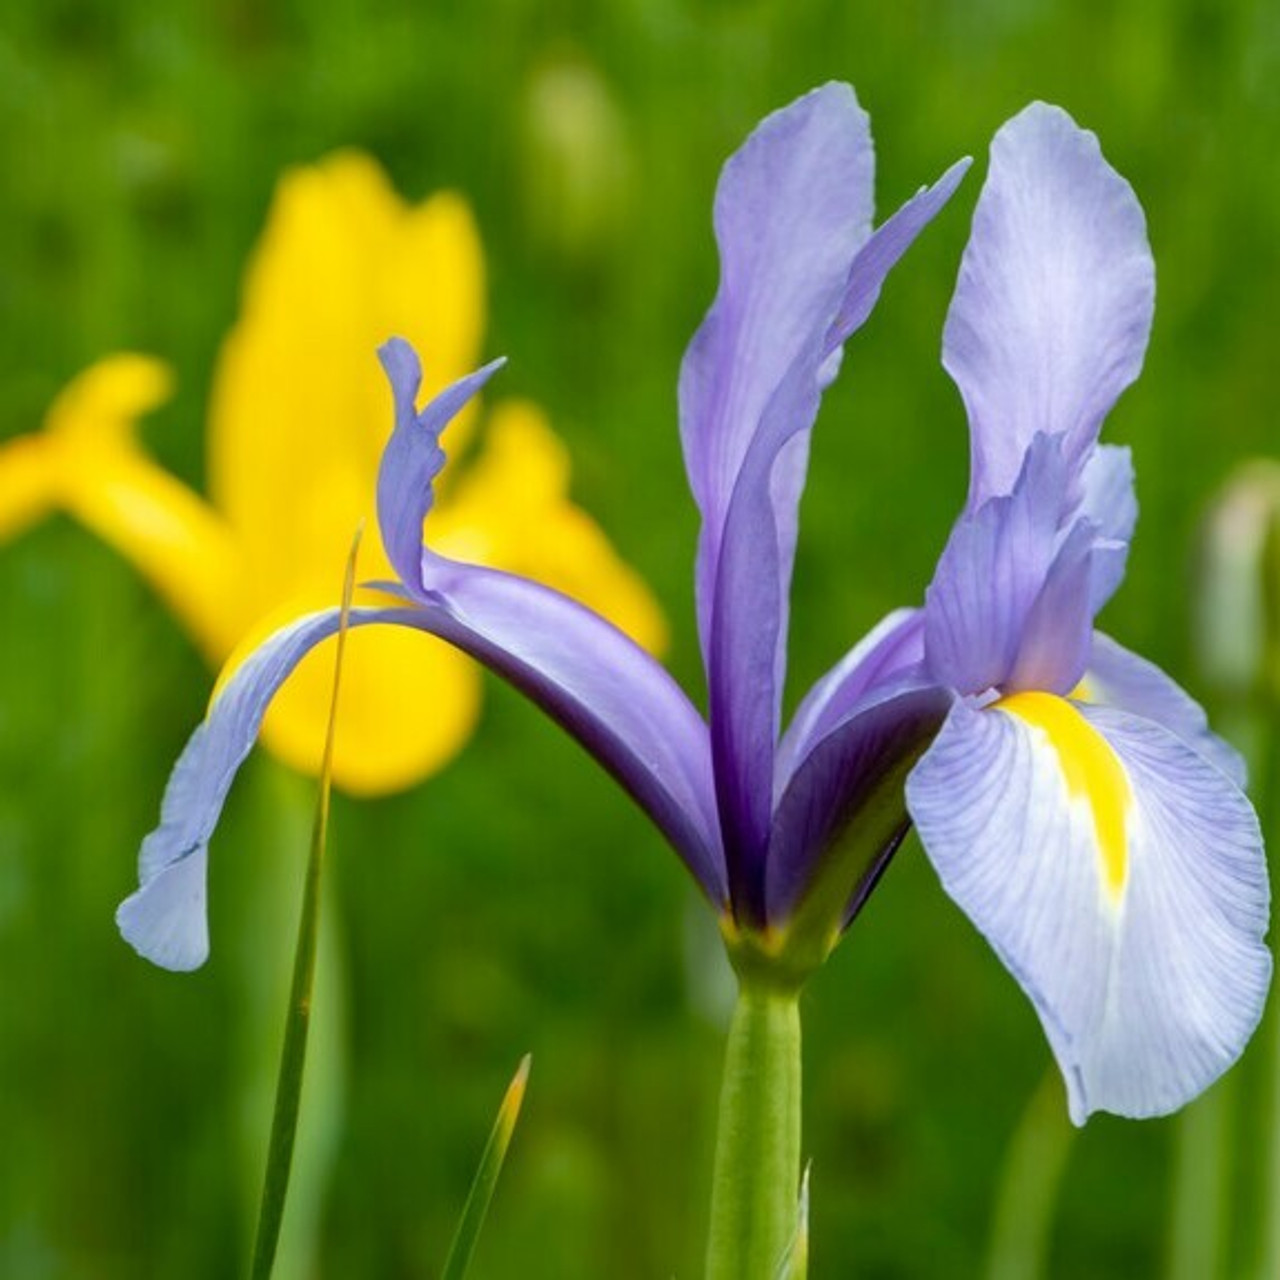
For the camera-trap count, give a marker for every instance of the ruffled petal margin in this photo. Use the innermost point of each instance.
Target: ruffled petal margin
(1120, 878)
(1053, 306)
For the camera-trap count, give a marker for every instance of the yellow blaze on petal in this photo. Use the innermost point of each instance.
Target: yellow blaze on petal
(1092, 771)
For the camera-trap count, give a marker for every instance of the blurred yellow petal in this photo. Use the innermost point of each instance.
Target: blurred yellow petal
(28, 485)
(409, 702)
(511, 510)
(88, 461)
(298, 418)
(300, 409)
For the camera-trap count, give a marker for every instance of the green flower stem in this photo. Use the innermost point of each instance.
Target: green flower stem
(756, 1179)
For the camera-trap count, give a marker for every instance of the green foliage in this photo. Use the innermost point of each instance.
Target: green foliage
(486, 1179)
(293, 1056)
(518, 900)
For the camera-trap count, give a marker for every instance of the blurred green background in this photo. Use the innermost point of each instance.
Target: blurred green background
(140, 143)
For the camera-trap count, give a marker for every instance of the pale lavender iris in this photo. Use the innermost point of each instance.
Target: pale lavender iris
(1070, 796)
(801, 268)
(1075, 803)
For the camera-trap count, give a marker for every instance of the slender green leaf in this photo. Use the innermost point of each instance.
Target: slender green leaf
(486, 1179)
(284, 1121)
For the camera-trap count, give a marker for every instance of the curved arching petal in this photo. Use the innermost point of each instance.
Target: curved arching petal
(1118, 677)
(586, 673)
(601, 687)
(1119, 877)
(1053, 307)
(409, 701)
(413, 457)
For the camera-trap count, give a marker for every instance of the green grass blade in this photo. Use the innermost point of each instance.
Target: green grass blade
(495, 1152)
(284, 1121)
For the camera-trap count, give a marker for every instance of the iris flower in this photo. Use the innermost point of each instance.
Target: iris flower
(1071, 797)
(295, 431)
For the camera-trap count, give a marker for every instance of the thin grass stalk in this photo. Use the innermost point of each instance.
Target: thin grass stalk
(284, 1120)
(486, 1179)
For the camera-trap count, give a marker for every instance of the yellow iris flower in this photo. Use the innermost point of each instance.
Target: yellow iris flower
(298, 416)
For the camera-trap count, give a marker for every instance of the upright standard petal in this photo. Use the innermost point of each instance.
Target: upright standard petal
(792, 207)
(1120, 878)
(1051, 314)
(881, 252)
(793, 213)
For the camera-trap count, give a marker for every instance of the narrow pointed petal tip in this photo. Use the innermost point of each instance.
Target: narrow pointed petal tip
(881, 254)
(1120, 878)
(413, 456)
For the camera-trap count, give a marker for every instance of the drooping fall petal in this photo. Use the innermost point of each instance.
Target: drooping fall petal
(1121, 879)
